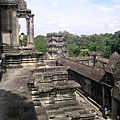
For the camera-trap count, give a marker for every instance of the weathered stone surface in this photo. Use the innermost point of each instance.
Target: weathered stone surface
(57, 95)
(117, 70)
(7, 1)
(94, 73)
(41, 113)
(21, 4)
(35, 88)
(116, 89)
(56, 45)
(112, 63)
(15, 99)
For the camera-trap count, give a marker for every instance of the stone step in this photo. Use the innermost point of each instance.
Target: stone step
(35, 98)
(13, 66)
(52, 75)
(34, 92)
(41, 113)
(37, 103)
(9, 49)
(51, 69)
(33, 89)
(40, 64)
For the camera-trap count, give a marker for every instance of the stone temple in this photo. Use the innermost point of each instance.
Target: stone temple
(56, 46)
(35, 87)
(31, 87)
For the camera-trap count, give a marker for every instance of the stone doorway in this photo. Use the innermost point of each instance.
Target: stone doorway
(28, 25)
(22, 29)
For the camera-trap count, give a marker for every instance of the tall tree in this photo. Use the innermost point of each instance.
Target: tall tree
(41, 43)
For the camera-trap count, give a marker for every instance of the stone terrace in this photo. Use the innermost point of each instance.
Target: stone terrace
(54, 94)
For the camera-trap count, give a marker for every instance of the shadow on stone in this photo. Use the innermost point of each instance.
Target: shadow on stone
(15, 107)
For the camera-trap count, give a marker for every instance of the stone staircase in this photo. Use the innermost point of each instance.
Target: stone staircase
(53, 95)
(10, 57)
(17, 57)
(9, 49)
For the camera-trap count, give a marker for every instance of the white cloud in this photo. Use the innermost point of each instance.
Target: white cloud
(116, 6)
(109, 9)
(113, 24)
(116, 0)
(106, 9)
(55, 3)
(51, 22)
(77, 16)
(63, 25)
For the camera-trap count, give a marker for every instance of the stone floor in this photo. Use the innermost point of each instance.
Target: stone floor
(98, 115)
(15, 100)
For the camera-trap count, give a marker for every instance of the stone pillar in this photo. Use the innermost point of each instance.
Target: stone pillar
(0, 29)
(15, 30)
(28, 29)
(103, 95)
(114, 108)
(6, 23)
(32, 30)
(31, 44)
(8, 11)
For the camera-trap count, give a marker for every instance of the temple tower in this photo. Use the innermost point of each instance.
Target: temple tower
(56, 45)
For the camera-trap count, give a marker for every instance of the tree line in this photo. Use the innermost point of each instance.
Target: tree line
(107, 43)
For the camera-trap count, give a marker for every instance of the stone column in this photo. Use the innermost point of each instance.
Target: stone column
(103, 95)
(0, 29)
(28, 30)
(114, 108)
(31, 42)
(15, 34)
(6, 23)
(17, 31)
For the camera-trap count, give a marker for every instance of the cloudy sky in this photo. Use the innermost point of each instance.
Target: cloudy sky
(75, 16)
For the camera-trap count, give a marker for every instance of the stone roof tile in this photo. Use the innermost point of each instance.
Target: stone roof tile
(112, 63)
(93, 73)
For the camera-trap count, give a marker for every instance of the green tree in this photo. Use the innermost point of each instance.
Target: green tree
(41, 43)
(72, 50)
(76, 51)
(107, 43)
(84, 52)
(93, 46)
(41, 46)
(25, 40)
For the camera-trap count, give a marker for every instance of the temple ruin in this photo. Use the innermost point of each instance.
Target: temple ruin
(31, 87)
(11, 11)
(56, 45)
(99, 79)
(36, 88)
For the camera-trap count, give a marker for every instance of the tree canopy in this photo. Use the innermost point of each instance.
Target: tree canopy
(41, 43)
(82, 45)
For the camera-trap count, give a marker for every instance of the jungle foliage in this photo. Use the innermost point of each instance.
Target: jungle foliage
(41, 43)
(82, 45)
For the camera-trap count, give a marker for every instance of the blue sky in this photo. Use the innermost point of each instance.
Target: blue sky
(75, 16)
